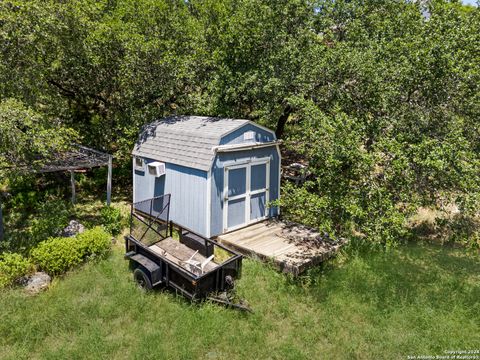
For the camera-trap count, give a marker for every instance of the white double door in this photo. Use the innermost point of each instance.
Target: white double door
(246, 193)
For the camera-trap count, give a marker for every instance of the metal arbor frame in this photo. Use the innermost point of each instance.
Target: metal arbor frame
(79, 157)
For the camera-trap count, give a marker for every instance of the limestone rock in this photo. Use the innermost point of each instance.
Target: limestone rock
(73, 228)
(37, 282)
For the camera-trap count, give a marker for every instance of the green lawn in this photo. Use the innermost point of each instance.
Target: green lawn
(416, 300)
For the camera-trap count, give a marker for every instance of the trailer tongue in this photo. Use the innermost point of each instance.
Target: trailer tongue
(196, 267)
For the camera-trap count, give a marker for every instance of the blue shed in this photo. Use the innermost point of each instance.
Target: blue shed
(222, 173)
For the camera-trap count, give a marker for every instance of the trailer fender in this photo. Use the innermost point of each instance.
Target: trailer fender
(150, 268)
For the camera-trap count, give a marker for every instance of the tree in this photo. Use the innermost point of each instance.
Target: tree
(389, 122)
(27, 139)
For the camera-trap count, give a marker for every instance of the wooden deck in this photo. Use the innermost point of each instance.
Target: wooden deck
(292, 247)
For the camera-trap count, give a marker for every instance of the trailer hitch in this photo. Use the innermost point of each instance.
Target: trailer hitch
(227, 300)
(229, 297)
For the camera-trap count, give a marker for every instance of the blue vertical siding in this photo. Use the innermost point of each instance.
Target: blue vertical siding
(217, 183)
(188, 188)
(236, 137)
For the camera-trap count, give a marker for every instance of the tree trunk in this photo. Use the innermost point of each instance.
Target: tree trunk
(282, 120)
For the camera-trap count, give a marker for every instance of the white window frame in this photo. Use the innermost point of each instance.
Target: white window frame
(138, 167)
(248, 193)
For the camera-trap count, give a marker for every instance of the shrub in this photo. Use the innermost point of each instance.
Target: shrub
(12, 267)
(112, 220)
(95, 241)
(51, 217)
(31, 224)
(57, 255)
(460, 228)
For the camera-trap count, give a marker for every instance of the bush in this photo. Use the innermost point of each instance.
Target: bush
(12, 267)
(52, 216)
(57, 255)
(112, 220)
(461, 229)
(94, 241)
(32, 225)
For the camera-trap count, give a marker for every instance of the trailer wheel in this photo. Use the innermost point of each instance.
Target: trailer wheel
(142, 279)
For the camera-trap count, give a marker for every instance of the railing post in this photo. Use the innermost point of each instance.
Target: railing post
(72, 183)
(131, 218)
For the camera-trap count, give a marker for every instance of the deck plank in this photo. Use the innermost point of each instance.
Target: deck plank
(293, 248)
(257, 237)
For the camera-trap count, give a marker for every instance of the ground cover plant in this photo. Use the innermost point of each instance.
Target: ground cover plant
(418, 299)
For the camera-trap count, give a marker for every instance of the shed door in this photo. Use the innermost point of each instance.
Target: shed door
(258, 191)
(236, 199)
(246, 194)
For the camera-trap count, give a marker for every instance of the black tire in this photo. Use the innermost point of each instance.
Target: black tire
(142, 279)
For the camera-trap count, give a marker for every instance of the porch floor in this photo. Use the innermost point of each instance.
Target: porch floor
(292, 247)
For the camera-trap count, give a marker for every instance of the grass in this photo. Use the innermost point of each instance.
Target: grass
(415, 300)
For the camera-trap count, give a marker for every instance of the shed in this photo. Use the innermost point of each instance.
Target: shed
(222, 173)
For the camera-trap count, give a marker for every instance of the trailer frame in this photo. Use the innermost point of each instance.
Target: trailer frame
(151, 269)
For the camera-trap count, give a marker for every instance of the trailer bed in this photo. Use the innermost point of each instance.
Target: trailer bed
(178, 253)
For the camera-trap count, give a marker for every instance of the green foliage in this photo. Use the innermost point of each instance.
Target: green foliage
(94, 242)
(12, 267)
(57, 255)
(382, 129)
(381, 101)
(27, 137)
(460, 229)
(112, 220)
(32, 218)
(51, 217)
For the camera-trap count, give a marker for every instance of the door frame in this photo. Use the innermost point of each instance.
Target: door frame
(247, 164)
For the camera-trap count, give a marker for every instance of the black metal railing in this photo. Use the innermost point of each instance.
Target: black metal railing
(149, 219)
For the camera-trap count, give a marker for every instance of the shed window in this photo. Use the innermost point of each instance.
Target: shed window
(139, 164)
(249, 135)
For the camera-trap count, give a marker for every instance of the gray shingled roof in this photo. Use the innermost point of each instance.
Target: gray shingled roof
(184, 140)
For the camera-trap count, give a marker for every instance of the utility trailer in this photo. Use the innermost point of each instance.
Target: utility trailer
(192, 265)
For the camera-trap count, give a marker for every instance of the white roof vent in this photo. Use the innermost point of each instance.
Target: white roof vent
(156, 168)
